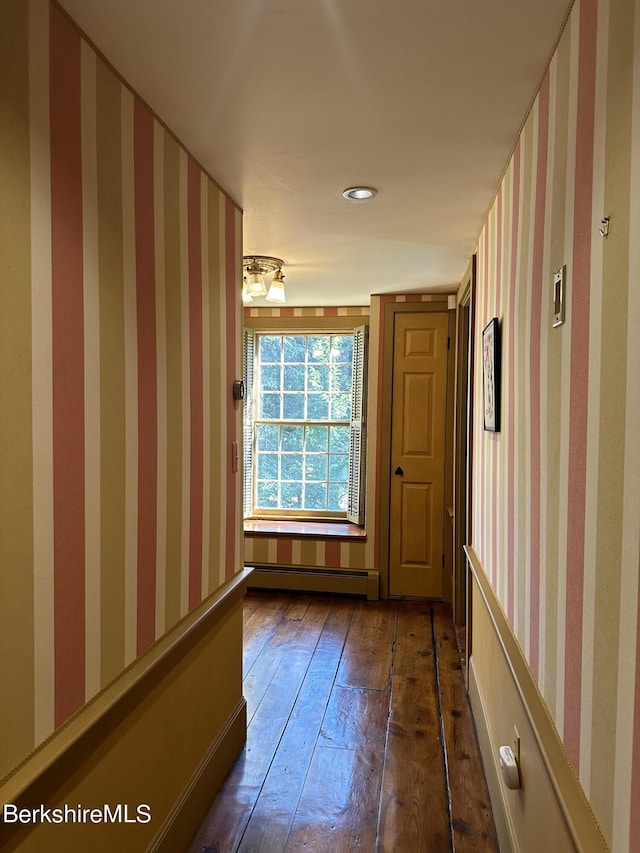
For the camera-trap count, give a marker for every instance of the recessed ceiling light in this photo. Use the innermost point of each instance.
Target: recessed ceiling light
(359, 193)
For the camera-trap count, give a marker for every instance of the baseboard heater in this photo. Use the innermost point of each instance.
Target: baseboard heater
(351, 582)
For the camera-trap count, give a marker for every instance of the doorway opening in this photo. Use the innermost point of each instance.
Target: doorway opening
(463, 456)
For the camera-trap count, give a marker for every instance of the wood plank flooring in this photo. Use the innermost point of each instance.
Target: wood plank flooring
(360, 735)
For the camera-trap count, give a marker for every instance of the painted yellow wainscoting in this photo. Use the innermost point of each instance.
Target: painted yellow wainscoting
(550, 811)
(164, 734)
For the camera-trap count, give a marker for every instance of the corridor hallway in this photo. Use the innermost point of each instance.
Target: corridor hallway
(360, 735)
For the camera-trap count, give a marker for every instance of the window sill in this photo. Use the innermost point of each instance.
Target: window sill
(303, 529)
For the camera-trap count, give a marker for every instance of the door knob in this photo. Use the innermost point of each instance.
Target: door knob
(399, 472)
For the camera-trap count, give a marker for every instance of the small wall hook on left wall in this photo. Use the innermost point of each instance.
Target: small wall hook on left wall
(604, 227)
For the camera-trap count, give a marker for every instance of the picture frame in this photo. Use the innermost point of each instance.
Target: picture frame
(491, 375)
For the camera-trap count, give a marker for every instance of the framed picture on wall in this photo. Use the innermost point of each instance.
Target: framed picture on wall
(491, 375)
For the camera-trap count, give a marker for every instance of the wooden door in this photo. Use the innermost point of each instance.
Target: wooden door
(418, 420)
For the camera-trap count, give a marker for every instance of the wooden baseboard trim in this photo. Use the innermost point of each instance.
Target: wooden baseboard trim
(579, 817)
(182, 822)
(350, 582)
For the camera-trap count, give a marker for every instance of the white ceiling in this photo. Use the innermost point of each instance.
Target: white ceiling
(287, 102)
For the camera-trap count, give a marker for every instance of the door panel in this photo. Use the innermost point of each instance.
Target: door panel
(416, 518)
(417, 427)
(418, 453)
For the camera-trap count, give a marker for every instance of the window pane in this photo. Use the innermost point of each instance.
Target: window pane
(341, 377)
(267, 466)
(337, 497)
(342, 348)
(292, 437)
(319, 348)
(315, 467)
(267, 437)
(291, 494)
(318, 377)
(339, 467)
(316, 438)
(270, 406)
(294, 378)
(270, 348)
(294, 348)
(339, 439)
(340, 407)
(291, 466)
(293, 406)
(270, 378)
(267, 495)
(318, 407)
(315, 496)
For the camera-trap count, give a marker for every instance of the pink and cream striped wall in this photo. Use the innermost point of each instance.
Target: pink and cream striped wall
(349, 311)
(287, 551)
(557, 492)
(120, 266)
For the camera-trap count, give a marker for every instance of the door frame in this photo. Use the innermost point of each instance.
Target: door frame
(463, 468)
(438, 303)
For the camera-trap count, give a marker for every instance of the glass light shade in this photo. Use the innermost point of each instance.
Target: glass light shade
(276, 291)
(246, 297)
(255, 284)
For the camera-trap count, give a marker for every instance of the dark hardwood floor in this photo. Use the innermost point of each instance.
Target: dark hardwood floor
(360, 735)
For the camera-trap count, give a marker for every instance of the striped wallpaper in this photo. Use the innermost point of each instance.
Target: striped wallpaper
(557, 492)
(120, 332)
(350, 311)
(285, 551)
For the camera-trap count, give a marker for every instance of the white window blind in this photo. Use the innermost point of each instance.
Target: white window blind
(248, 356)
(357, 437)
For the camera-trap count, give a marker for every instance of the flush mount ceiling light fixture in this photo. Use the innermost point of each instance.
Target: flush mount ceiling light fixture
(256, 267)
(359, 193)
